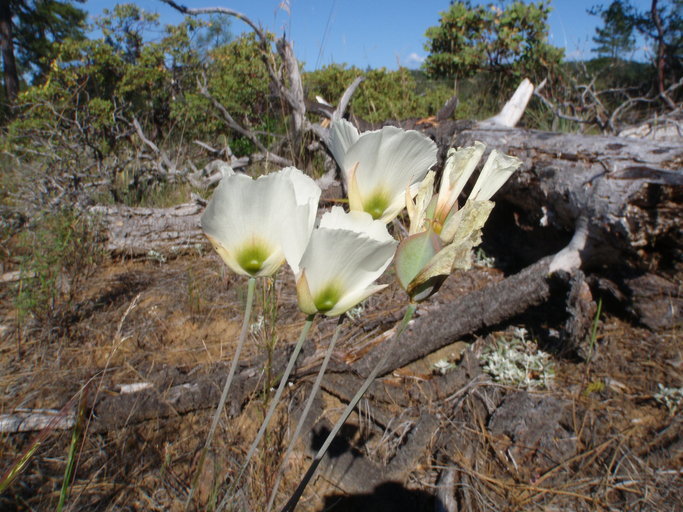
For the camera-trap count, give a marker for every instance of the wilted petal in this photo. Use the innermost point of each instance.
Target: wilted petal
(466, 223)
(497, 170)
(418, 211)
(460, 164)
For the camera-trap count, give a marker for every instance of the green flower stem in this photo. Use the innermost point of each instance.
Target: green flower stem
(271, 410)
(291, 504)
(224, 395)
(304, 414)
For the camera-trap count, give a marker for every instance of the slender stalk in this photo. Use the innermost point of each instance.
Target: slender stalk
(304, 414)
(291, 504)
(224, 395)
(76, 436)
(271, 410)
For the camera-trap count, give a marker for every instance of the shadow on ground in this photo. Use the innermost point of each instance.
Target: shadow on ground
(389, 496)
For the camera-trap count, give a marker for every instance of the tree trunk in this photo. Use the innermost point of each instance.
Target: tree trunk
(660, 59)
(7, 47)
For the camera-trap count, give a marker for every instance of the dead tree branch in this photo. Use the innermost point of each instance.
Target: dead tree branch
(346, 98)
(514, 108)
(290, 89)
(234, 125)
(592, 109)
(164, 165)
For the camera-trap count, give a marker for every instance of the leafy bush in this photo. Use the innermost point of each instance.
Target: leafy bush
(512, 40)
(383, 95)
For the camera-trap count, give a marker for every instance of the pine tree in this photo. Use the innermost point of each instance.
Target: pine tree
(30, 31)
(615, 39)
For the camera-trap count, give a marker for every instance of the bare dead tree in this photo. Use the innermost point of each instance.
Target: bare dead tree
(285, 80)
(588, 106)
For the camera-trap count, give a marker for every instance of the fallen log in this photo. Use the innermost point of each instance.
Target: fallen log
(153, 232)
(630, 190)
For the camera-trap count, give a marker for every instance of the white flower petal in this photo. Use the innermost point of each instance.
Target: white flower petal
(497, 170)
(391, 159)
(398, 203)
(343, 135)
(352, 299)
(225, 218)
(306, 191)
(352, 258)
(345, 261)
(359, 222)
(302, 219)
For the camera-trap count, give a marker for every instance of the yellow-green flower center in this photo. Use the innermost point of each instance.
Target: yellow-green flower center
(327, 298)
(252, 257)
(376, 204)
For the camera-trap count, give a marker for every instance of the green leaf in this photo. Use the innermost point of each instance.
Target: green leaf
(413, 254)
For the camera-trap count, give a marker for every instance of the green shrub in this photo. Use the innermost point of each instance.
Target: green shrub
(382, 95)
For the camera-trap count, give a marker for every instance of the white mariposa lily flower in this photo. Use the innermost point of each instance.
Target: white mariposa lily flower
(257, 224)
(346, 254)
(379, 166)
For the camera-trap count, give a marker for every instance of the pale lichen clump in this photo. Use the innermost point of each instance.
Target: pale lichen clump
(518, 362)
(671, 398)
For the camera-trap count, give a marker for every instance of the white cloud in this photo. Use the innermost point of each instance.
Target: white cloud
(414, 59)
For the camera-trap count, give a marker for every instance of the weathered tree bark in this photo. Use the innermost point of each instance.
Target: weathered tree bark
(151, 231)
(487, 307)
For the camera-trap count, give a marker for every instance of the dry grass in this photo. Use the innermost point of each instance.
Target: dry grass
(137, 317)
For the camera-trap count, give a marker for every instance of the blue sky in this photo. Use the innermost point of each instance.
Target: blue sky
(374, 33)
